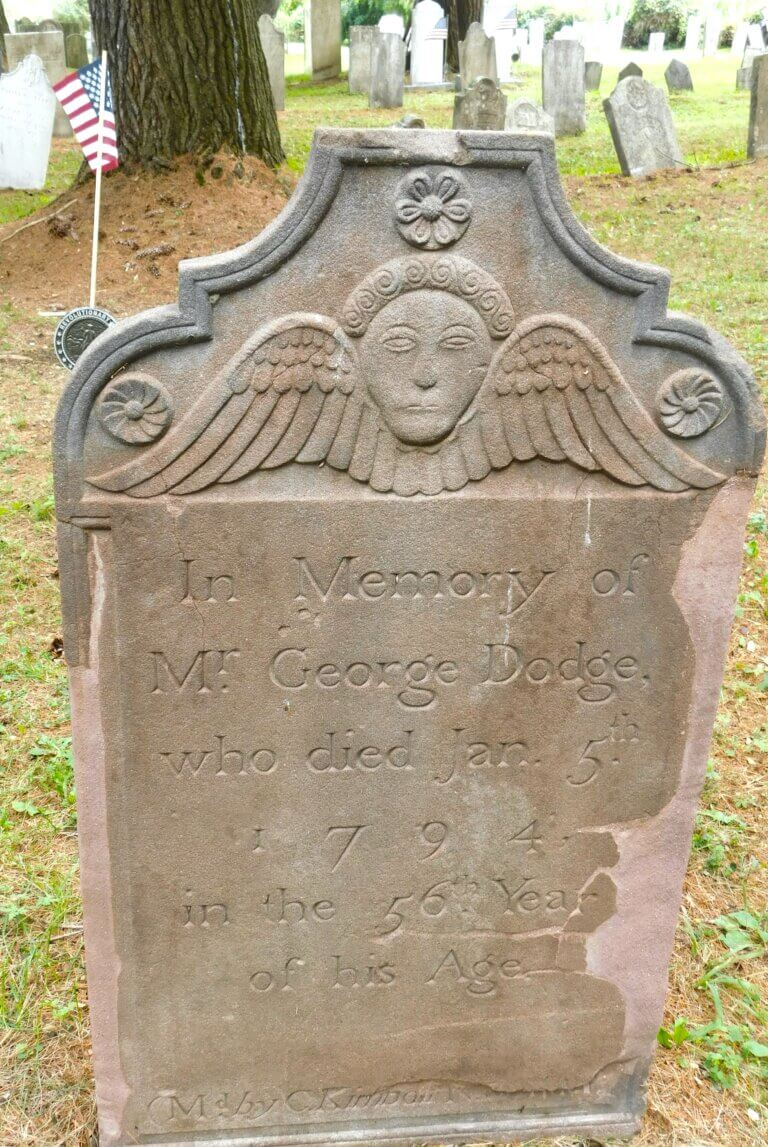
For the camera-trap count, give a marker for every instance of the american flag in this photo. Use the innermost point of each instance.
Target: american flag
(78, 94)
(509, 22)
(440, 30)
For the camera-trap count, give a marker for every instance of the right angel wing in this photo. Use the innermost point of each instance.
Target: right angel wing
(289, 394)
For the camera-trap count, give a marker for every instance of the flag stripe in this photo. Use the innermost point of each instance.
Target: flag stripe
(78, 93)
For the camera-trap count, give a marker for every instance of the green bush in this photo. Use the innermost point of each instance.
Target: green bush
(553, 21)
(370, 12)
(667, 16)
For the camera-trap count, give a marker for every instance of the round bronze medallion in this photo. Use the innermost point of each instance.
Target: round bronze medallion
(76, 331)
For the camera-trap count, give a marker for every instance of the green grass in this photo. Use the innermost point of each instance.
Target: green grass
(63, 166)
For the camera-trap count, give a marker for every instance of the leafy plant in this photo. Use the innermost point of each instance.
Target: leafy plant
(667, 16)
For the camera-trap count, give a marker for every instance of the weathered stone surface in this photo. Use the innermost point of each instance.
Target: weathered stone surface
(427, 52)
(325, 38)
(477, 56)
(642, 128)
(387, 70)
(631, 69)
(481, 107)
(273, 45)
(744, 78)
(678, 77)
(360, 37)
(397, 589)
(410, 121)
(562, 84)
(593, 74)
(757, 136)
(526, 116)
(27, 108)
(76, 50)
(49, 48)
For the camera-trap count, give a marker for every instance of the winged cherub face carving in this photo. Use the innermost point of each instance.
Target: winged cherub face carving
(425, 356)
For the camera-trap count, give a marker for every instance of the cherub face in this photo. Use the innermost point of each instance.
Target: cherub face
(425, 357)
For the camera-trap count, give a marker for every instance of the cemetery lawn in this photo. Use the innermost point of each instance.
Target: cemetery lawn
(709, 1084)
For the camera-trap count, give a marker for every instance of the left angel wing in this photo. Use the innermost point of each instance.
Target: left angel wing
(561, 397)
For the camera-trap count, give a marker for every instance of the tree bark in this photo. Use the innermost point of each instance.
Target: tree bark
(187, 78)
(461, 13)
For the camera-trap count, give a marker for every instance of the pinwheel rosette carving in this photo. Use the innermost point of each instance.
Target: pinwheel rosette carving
(432, 211)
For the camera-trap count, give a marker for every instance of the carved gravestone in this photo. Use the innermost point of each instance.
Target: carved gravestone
(273, 46)
(642, 128)
(360, 37)
(324, 39)
(49, 48)
(526, 116)
(27, 108)
(477, 56)
(397, 590)
(562, 84)
(387, 70)
(76, 50)
(757, 136)
(631, 69)
(678, 77)
(593, 74)
(482, 107)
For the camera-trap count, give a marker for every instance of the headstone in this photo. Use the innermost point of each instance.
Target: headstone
(535, 42)
(27, 108)
(410, 121)
(739, 41)
(396, 606)
(477, 56)
(678, 77)
(713, 26)
(562, 81)
(642, 128)
(49, 47)
(524, 117)
(615, 34)
(755, 37)
(631, 69)
(325, 38)
(387, 70)
(273, 46)
(500, 23)
(593, 74)
(76, 51)
(693, 30)
(427, 43)
(757, 137)
(480, 107)
(744, 78)
(656, 43)
(392, 22)
(360, 39)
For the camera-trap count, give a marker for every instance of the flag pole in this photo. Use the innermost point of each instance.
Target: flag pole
(99, 163)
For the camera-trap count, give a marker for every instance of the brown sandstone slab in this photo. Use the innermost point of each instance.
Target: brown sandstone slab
(397, 582)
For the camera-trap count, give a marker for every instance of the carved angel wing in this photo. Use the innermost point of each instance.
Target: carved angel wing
(562, 398)
(288, 395)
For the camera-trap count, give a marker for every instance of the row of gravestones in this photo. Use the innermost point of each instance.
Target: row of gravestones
(59, 55)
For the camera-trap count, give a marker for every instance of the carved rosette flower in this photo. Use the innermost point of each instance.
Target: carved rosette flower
(689, 403)
(432, 211)
(135, 409)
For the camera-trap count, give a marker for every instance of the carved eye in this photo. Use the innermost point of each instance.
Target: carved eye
(399, 340)
(457, 338)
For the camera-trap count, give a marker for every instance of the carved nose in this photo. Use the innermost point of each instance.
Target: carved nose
(427, 377)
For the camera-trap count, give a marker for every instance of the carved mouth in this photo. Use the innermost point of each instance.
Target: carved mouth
(419, 406)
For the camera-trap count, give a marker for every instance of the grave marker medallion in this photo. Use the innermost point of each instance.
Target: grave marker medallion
(397, 589)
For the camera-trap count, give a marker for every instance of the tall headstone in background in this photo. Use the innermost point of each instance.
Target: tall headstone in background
(392, 22)
(325, 38)
(678, 77)
(500, 22)
(755, 38)
(739, 41)
(396, 603)
(656, 43)
(480, 107)
(535, 50)
(713, 26)
(477, 56)
(27, 107)
(526, 117)
(615, 35)
(360, 39)
(49, 48)
(562, 81)
(757, 137)
(76, 51)
(593, 74)
(693, 31)
(642, 128)
(387, 70)
(273, 46)
(427, 43)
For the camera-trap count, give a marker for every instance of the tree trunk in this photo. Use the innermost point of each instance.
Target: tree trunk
(461, 13)
(187, 78)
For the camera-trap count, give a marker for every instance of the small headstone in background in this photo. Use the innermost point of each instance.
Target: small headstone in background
(273, 46)
(656, 43)
(76, 51)
(678, 77)
(631, 69)
(693, 35)
(744, 79)
(427, 52)
(480, 107)
(410, 121)
(49, 47)
(27, 108)
(477, 56)
(524, 116)
(324, 39)
(593, 74)
(562, 82)
(642, 128)
(757, 137)
(392, 22)
(387, 70)
(360, 39)
(713, 26)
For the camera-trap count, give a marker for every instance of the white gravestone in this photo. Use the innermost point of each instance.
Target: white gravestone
(27, 108)
(615, 34)
(427, 48)
(530, 119)
(535, 49)
(712, 29)
(273, 46)
(755, 37)
(693, 35)
(49, 48)
(656, 43)
(500, 21)
(739, 42)
(392, 22)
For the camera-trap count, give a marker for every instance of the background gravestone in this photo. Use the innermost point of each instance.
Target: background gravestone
(387, 70)
(27, 107)
(525, 116)
(713, 26)
(49, 48)
(562, 83)
(76, 50)
(480, 107)
(757, 135)
(477, 56)
(500, 23)
(678, 77)
(325, 39)
(360, 37)
(427, 51)
(396, 604)
(656, 43)
(273, 46)
(630, 69)
(693, 31)
(642, 128)
(392, 22)
(593, 74)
